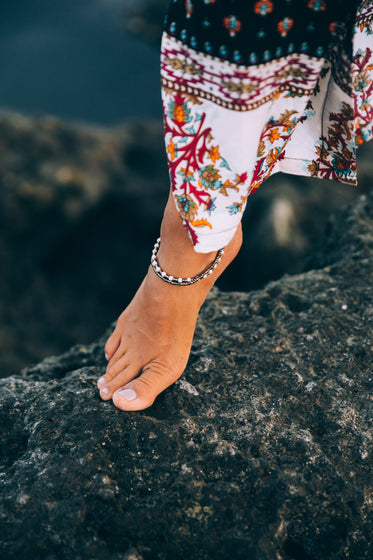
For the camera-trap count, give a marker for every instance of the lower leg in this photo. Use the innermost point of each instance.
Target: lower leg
(150, 346)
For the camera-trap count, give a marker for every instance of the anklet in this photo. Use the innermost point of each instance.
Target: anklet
(182, 281)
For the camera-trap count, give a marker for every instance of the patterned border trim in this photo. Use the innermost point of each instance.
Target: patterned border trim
(197, 92)
(240, 88)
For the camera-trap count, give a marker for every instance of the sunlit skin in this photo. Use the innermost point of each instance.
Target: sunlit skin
(150, 346)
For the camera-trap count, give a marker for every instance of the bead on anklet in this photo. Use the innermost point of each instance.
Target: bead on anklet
(182, 281)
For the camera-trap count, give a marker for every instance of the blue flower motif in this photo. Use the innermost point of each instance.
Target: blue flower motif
(340, 166)
(234, 208)
(208, 47)
(224, 163)
(185, 203)
(237, 57)
(193, 42)
(209, 177)
(187, 177)
(211, 206)
(361, 84)
(253, 57)
(223, 50)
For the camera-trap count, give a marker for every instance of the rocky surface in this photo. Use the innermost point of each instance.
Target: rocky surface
(262, 451)
(79, 210)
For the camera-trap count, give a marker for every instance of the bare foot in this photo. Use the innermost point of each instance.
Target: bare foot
(150, 346)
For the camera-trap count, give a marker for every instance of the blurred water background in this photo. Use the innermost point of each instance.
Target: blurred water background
(75, 59)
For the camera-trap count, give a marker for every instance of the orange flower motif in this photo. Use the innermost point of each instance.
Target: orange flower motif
(187, 174)
(263, 7)
(232, 24)
(171, 148)
(201, 223)
(272, 156)
(179, 114)
(275, 135)
(317, 5)
(332, 27)
(284, 26)
(214, 153)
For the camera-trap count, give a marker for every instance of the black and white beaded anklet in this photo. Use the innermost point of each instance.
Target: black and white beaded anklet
(182, 281)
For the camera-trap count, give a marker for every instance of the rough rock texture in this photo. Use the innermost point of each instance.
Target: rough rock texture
(262, 451)
(79, 208)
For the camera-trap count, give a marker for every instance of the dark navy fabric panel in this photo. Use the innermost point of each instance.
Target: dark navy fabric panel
(252, 32)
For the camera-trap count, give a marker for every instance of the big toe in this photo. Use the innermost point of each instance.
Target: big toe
(142, 391)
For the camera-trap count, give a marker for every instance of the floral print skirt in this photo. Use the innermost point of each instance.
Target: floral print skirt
(251, 88)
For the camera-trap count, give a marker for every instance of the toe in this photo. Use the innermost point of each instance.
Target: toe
(142, 391)
(112, 344)
(116, 367)
(118, 355)
(107, 388)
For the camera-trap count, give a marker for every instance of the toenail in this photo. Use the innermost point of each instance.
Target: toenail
(105, 390)
(128, 394)
(101, 380)
(106, 356)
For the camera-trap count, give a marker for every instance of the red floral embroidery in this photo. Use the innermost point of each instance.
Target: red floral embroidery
(363, 87)
(336, 152)
(197, 169)
(271, 149)
(271, 146)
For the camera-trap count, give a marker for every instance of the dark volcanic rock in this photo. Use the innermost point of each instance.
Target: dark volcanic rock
(262, 451)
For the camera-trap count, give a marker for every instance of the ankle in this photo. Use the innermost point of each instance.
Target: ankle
(176, 253)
